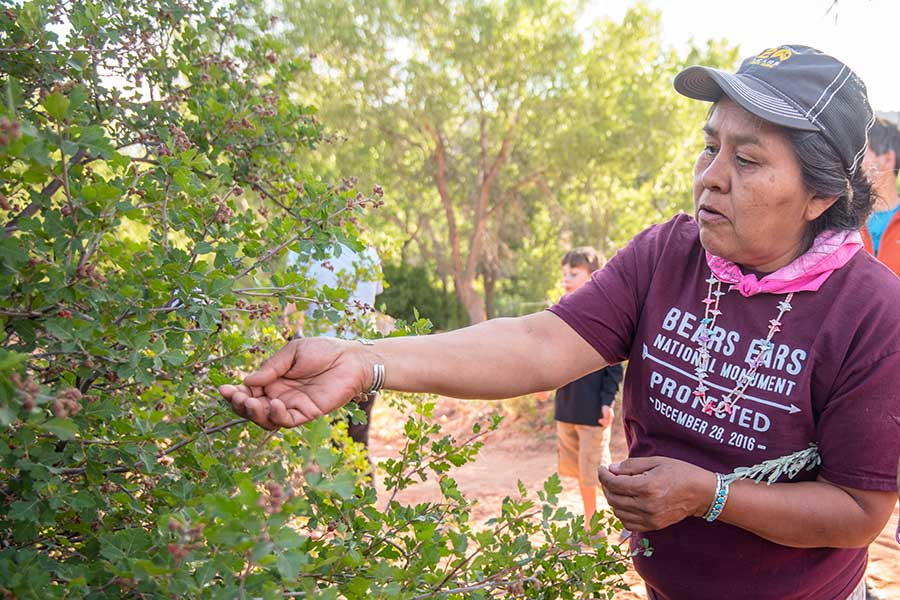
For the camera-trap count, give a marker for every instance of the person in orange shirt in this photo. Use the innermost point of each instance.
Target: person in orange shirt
(881, 234)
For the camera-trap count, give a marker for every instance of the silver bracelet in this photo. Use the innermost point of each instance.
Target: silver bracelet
(377, 371)
(377, 379)
(719, 498)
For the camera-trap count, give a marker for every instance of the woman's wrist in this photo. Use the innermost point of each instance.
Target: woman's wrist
(720, 497)
(706, 491)
(374, 372)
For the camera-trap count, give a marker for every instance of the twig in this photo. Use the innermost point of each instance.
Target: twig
(31, 314)
(167, 451)
(165, 217)
(268, 256)
(46, 193)
(475, 553)
(65, 169)
(130, 495)
(477, 586)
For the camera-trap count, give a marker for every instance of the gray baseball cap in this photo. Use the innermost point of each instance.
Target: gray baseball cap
(796, 87)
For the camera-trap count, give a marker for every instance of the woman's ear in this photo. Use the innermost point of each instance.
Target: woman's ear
(817, 206)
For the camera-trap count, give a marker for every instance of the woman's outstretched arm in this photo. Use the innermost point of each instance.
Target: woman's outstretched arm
(500, 358)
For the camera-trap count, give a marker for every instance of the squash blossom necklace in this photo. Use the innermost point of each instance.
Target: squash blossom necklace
(726, 405)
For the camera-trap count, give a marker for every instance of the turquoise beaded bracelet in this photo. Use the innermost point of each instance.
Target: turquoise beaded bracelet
(719, 498)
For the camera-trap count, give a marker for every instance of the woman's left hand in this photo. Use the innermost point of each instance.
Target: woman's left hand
(651, 493)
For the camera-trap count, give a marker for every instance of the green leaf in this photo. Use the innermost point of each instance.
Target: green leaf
(553, 486)
(124, 545)
(94, 141)
(288, 539)
(56, 105)
(77, 97)
(343, 485)
(24, 511)
(288, 565)
(64, 429)
(10, 360)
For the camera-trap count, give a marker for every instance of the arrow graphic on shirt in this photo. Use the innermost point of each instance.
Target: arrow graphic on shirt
(789, 409)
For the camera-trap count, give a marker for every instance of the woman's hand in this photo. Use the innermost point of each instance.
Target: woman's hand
(651, 493)
(304, 380)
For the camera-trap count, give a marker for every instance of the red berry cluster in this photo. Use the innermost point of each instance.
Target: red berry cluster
(27, 387)
(263, 310)
(274, 498)
(180, 138)
(188, 539)
(90, 273)
(234, 125)
(223, 212)
(10, 131)
(67, 403)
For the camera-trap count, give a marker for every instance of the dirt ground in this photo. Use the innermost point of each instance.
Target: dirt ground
(524, 448)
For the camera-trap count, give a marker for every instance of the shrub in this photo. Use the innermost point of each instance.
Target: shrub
(153, 156)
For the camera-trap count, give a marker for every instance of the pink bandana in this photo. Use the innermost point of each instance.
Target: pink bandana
(830, 251)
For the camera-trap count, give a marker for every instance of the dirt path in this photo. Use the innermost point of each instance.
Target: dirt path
(524, 448)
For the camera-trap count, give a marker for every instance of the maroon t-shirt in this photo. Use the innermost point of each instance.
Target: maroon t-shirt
(832, 377)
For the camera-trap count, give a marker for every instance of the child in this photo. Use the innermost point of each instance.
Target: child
(584, 413)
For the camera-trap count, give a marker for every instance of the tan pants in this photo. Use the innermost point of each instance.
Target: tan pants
(582, 450)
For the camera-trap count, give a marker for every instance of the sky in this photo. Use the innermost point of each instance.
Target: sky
(864, 34)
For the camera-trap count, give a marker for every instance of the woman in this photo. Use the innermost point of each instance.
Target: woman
(753, 330)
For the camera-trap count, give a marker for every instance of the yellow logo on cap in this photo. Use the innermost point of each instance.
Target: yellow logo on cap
(772, 57)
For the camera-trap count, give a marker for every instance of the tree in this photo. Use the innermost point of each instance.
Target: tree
(154, 172)
(476, 114)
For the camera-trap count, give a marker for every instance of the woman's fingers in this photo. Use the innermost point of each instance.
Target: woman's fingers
(237, 395)
(273, 368)
(622, 502)
(293, 412)
(257, 410)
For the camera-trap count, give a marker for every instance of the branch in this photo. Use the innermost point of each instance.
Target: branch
(440, 179)
(167, 451)
(534, 177)
(29, 314)
(268, 256)
(47, 193)
(484, 193)
(478, 586)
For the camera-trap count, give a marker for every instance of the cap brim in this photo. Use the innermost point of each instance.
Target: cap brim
(706, 83)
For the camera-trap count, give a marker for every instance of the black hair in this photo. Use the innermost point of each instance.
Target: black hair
(825, 176)
(884, 137)
(583, 256)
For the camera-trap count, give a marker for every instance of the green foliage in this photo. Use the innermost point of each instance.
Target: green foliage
(411, 292)
(154, 172)
(504, 133)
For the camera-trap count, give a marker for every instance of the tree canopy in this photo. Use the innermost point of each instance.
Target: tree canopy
(503, 131)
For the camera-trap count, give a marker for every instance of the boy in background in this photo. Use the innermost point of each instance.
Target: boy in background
(583, 408)
(881, 234)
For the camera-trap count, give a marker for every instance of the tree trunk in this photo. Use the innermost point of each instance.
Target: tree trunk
(470, 299)
(488, 278)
